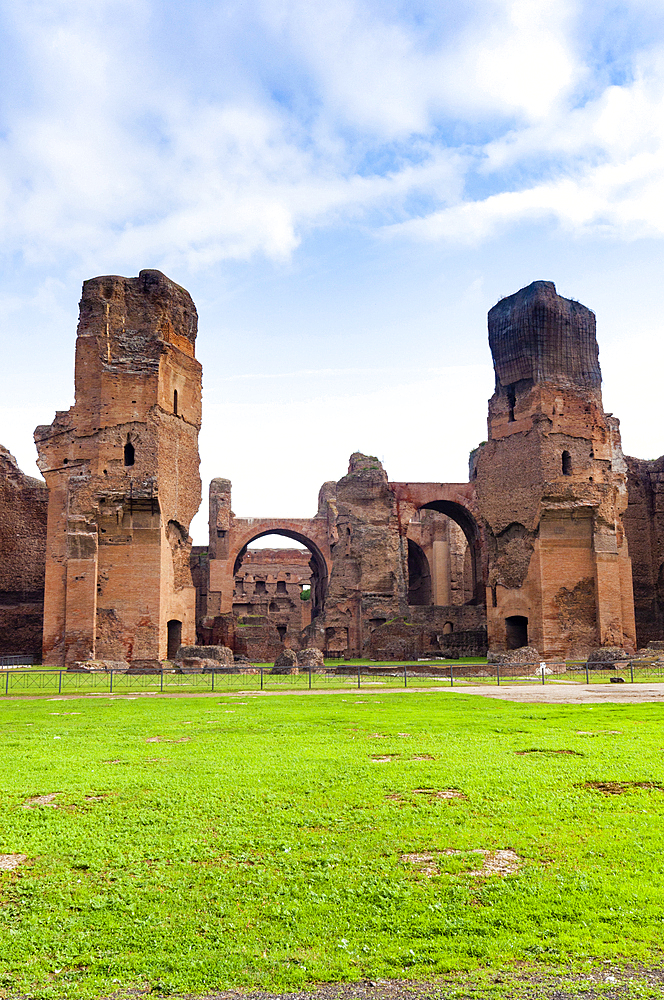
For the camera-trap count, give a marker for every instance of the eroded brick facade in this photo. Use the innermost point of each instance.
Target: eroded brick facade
(122, 471)
(533, 548)
(551, 484)
(23, 508)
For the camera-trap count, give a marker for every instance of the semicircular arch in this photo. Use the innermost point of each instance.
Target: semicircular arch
(462, 516)
(318, 562)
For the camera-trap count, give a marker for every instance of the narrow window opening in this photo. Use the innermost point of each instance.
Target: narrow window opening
(281, 586)
(567, 464)
(448, 628)
(282, 630)
(129, 453)
(175, 402)
(511, 402)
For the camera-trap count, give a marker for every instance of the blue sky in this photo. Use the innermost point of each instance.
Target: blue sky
(345, 189)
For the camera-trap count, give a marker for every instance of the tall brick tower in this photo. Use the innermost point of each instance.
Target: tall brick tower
(551, 484)
(121, 466)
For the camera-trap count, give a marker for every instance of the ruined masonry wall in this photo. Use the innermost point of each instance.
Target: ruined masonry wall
(23, 509)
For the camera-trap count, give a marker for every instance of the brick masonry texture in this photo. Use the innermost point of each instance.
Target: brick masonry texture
(536, 548)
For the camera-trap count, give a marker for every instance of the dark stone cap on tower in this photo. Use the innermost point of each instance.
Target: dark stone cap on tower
(537, 334)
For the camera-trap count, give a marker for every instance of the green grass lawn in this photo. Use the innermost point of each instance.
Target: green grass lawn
(199, 843)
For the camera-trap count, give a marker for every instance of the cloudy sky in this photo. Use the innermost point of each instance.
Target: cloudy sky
(345, 189)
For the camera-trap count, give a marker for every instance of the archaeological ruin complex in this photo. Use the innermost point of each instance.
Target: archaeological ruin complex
(555, 541)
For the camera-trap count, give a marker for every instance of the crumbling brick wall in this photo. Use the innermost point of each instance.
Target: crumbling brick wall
(122, 470)
(23, 510)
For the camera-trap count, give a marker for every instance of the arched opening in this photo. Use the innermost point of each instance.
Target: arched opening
(302, 565)
(567, 463)
(175, 402)
(516, 631)
(174, 638)
(129, 453)
(470, 574)
(419, 575)
(448, 628)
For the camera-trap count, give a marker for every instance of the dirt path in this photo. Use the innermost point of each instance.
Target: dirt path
(600, 983)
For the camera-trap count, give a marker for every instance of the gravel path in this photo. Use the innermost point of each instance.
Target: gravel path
(553, 693)
(602, 983)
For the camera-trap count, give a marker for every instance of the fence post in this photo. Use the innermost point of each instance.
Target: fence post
(451, 677)
(498, 674)
(261, 677)
(405, 676)
(358, 675)
(60, 683)
(7, 682)
(631, 670)
(542, 669)
(587, 677)
(213, 678)
(310, 677)
(111, 691)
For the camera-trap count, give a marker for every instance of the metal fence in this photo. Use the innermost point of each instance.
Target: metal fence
(19, 660)
(38, 681)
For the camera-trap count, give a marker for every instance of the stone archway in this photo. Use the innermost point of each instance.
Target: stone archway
(318, 564)
(458, 502)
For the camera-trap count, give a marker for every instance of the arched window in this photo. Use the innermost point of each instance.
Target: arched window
(175, 402)
(567, 463)
(129, 453)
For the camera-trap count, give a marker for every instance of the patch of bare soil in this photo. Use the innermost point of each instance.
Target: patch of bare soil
(600, 732)
(384, 759)
(620, 787)
(551, 753)
(163, 739)
(8, 862)
(496, 863)
(440, 793)
(394, 797)
(493, 862)
(42, 800)
(423, 756)
(425, 863)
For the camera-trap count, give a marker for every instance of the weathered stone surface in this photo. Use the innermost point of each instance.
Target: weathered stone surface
(644, 527)
(23, 512)
(286, 662)
(525, 655)
(310, 657)
(599, 658)
(218, 654)
(122, 470)
(536, 334)
(551, 484)
(99, 666)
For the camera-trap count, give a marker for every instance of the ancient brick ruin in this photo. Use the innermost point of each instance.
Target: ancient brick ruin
(534, 549)
(551, 484)
(23, 506)
(122, 472)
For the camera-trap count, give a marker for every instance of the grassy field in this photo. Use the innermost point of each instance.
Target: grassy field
(195, 843)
